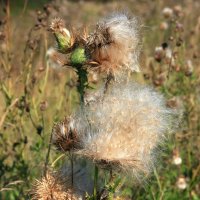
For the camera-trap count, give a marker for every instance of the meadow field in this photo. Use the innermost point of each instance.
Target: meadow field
(36, 91)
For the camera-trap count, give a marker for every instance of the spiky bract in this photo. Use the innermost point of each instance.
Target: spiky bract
(62, 35)
(52, 186)
(64, 137)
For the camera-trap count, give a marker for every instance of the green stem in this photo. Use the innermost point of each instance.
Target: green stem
(82, 82)
(96, 173)
(48, 153)
(72, 168)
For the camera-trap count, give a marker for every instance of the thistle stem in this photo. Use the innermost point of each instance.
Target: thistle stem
(96, 173)
(72, 170)
(107, 83)
(48, 153)
(82, 82)
(111, 175)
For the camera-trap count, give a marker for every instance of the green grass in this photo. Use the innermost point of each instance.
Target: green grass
(27, 80)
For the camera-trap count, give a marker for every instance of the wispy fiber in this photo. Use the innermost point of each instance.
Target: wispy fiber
(115, 44)
(122, 129)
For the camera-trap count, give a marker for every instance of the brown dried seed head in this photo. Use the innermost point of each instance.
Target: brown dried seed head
(64, 136)
(52, 186)
(57, 24)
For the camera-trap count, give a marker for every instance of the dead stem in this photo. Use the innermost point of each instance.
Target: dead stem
(48, 152)
(109, 78)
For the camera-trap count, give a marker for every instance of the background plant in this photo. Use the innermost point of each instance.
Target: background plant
(33, 94)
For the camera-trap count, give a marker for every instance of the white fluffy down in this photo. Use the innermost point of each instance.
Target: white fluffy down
(125, 32)
(115, 44)
(124, 127)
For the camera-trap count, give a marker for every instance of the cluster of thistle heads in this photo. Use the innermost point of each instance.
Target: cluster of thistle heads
(120, 126)
(113, 46)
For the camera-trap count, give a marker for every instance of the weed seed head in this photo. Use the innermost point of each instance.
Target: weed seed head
(52, 186)
(123, 129)
(115, 44)
(64, 136)
(167, 12)
(181, 183)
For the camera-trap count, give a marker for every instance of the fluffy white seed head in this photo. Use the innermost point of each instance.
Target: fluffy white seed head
(181, 183)
(167, 12)
(124, 128)
(115, 44)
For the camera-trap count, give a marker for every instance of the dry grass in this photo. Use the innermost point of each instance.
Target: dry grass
(34, 94)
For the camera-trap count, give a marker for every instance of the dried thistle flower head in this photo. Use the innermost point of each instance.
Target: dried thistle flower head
(167, 12)
(181, 183)
(123, 128)
(64, 136)
(114, 44)
(178, 10)
(159, 53)
(177, 160)
(62, 35)
(51, 187)
(164, 26)
(189, 68)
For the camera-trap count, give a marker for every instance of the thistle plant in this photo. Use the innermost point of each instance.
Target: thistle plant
(120, 126)
(73, 45)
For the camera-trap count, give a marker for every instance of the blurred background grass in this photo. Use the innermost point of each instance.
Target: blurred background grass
(35, 93)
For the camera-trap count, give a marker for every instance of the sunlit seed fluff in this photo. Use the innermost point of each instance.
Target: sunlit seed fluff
(52, 58)
(123, 129)
(51, 187)
(115, 44)
(164, 26)
(181, 183)
(167, 12)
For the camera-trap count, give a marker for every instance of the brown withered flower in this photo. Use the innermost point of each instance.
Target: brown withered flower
(64, 136)
(53, 187)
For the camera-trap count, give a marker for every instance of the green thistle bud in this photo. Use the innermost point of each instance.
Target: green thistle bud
(78, 56)
(63, 40)
(61, 34)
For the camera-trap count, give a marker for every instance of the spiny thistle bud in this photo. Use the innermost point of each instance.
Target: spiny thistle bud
(62, 35)
(64, 136)
(78, 57)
